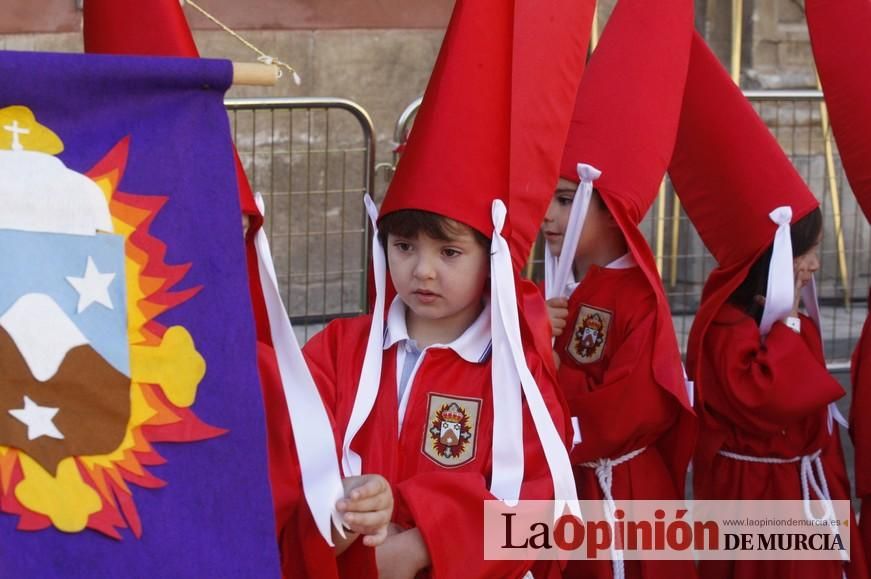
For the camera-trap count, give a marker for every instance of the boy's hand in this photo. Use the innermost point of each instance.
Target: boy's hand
(367, 507)
(402, 555)
(557, 311)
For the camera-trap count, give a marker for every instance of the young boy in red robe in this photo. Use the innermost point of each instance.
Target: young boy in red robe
(620, 366)
(838, 31)
(769, 428)
(443, 389)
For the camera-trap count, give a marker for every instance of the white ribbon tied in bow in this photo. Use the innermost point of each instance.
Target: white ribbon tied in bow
(558, 271)
(315, 443)
(780, 293)
(508, 368)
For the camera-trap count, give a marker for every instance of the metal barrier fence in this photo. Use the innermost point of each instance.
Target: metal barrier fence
(312, 160)
(798, 120)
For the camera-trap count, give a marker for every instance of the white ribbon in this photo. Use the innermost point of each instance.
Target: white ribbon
(550, 265)
(370, 376)
(313, 434)
(780, 292)
(508, 367)
(604, 468)
(559, 280)
(690, 386)
(811, 303)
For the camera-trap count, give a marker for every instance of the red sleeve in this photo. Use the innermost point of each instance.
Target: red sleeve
(448, 507)
(765, 387)
(321, 354)
(608, 424)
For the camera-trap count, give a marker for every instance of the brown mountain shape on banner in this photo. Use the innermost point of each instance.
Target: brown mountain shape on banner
(93, 399)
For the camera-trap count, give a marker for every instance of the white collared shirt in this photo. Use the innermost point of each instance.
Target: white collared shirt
(473, 346)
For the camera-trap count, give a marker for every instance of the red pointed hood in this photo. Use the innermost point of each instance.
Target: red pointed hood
(456, 160)
(627, 108)
(625, 125)
(839, 31)
(152, 28)
(730, 174)
(545, 82)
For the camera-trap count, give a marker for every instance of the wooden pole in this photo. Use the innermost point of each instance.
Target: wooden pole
(254, 74)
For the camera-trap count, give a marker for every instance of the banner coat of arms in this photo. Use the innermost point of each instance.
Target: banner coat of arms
(132, 440)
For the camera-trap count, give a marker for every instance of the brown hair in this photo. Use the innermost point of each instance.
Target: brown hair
(410, 223)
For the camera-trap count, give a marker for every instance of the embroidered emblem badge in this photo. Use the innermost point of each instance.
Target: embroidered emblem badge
(589, 335)
(452, 429)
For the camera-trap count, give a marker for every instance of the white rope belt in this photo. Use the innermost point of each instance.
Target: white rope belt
(604, 468)
(813, 478)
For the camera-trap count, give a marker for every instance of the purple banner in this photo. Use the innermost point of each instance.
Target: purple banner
(132, 437)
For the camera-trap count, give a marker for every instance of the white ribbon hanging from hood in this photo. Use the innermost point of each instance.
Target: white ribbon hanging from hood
(370, 375)
(510, 377)
(313, 433)
(558, 271)
(780, 292)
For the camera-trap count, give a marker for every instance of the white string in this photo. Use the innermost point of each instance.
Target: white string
(813, 478)
(313, 433)
(604, 468)
(263, 57)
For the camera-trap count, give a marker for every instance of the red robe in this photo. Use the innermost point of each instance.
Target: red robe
(860, 426)
(445, 504)
(767, 401)
(304, 553)
(611, 389)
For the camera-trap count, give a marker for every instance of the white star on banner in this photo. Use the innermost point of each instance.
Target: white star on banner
(93, 287)
(38, 420)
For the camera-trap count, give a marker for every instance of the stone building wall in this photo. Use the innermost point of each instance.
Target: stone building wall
(379, 53)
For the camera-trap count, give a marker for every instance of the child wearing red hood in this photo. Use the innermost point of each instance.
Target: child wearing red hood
(619, 360)
(769, 426)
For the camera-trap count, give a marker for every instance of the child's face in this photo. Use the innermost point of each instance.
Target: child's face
(596, 224)
(806, 264)
(439, 280)
(557, 217)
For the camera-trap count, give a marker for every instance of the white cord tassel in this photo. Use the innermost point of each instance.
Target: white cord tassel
(604, 468)
(314, 439)
(370, 376)
(580, 205)
(780, 293)
(813, 478)
(508, 368)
